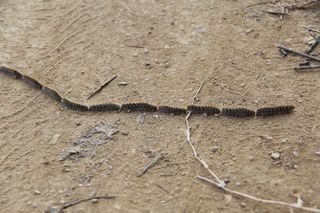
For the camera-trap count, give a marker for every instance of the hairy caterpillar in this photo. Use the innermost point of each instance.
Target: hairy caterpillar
(203, 109)
(138, 107)
(270, 111)
(32, 82)
(237, 112)
(51, 93)
(74, 106)
(172, 110)
(104, 107)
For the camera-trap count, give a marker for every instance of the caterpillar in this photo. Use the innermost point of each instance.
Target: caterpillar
(32, 82)
(74, 106)
(145, 107)
(138, 107)
(51, 93)
(270, 111)
(203, 109)
(104, 107)
(172, 110)
(237, 112)
(12, 73)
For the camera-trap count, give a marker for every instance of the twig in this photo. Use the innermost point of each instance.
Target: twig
(299, 53)
(221, 184)
(307, 67)
(135, 46)
(276, 13)
(101, 87)
(150, 165)
(312, 29)
(297, 205)
(163, 189)
(86, 199)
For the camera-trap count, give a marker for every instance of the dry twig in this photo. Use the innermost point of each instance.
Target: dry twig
(101, 87)
(297, 205)
(276, 13)
(299, 53)
(299, 68)
(150, 165)
(86, 199)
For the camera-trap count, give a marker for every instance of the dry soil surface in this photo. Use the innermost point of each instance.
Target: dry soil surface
(162, 49)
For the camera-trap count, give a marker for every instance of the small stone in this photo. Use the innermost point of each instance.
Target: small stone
(243, 205)
(318, 153)
(215, 148)
(285, 140)
(94, 200)
(36, 192)
(275, 155)
(251, 158)
(123, 83)
(124, 133)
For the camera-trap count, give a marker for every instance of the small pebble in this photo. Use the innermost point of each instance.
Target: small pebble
(36, 192)
(123, 83)
(94, 200)
(318, 153)
(124, 133)
(275, 155)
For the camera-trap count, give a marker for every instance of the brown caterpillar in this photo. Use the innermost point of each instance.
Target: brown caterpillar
(270, 111)
(104, 107)
(172, 110)
(203, 109)
(12, 73)
(237, 112)
(32, 82)
(51, 93)
(138, 107)
(74, 106)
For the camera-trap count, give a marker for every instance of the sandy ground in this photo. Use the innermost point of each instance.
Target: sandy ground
(163, 49)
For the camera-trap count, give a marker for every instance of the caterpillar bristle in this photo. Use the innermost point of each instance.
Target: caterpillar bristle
(51, 93)
(172, 110)
(138, 107)
(32, 82)
(270, 111)
(237, 112)
(12, 73)
(74, 106)
(104, 107)
(203, 109)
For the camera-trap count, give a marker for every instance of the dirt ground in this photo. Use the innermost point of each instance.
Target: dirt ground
(162, 49)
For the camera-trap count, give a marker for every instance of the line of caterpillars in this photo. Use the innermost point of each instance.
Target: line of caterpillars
(145, 107)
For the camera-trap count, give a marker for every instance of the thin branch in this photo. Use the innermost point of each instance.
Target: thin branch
(299, 53)
(307, 67)
(150, 165)
(276, 13)
(297, 205)
(86, 199)
(163, 189)
(101, 87)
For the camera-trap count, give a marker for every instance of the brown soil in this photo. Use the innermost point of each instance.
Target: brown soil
(163, 49)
